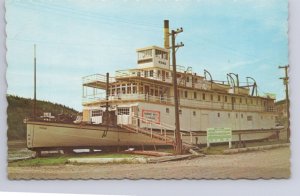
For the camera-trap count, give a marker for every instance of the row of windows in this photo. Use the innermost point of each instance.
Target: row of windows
(97, 113)
(123, 111)
(233, 99)
(249, 118)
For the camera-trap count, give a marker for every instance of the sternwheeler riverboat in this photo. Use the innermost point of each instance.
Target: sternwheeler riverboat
(135, 107)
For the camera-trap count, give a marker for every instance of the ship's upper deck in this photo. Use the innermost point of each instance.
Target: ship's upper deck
(154, 77)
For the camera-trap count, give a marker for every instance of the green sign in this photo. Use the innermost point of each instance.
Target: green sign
(216, 135)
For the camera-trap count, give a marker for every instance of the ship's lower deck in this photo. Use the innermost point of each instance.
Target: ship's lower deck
(191, 118)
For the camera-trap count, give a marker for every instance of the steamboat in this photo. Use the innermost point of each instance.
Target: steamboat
(136, 107)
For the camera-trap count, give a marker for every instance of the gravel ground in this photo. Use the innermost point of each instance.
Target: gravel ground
(274, 163)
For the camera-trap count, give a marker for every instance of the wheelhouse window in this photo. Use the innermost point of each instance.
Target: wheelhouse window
(144, 54)
(161, 54)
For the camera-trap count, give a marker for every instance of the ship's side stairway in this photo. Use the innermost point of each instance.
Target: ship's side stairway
(160, 131)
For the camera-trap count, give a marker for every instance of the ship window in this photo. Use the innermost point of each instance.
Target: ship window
(225, 98)
(242, 116)
(146, 74)
(97, 112)
(219, 98)
(219, 115)
(211, 97)
(203, 96)
(194, 113)
(139, 74)
(151, 92)
(134, 90)
(128, 90)
(195, 95)
(145, 54)
(185, 94)
(151, 73)
(123, 111)
(167, 74)
(156, 92)
(187, 79)
(167, 110)
(249, 118)
(161, 54)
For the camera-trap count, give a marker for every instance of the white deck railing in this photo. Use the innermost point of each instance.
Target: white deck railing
(182, 102)
(96, 78)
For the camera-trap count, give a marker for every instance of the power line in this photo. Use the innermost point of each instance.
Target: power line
(82, 15)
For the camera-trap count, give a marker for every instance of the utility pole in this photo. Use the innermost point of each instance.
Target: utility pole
(178, 146)
(286, 83)
(34, 81)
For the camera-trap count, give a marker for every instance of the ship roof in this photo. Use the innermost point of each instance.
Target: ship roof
(152, 47)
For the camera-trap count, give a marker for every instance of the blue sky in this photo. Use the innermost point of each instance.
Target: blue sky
(78, 38)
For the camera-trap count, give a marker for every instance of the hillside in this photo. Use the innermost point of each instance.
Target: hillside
(20, 108)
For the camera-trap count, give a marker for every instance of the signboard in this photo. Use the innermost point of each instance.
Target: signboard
(217, 135)
(151, 115)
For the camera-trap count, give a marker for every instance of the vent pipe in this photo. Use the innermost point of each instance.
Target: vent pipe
(166, 34)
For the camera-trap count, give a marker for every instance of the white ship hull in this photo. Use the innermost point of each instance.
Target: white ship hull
(48, 135)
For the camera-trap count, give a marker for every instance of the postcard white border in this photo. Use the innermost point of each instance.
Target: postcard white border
(168, 187)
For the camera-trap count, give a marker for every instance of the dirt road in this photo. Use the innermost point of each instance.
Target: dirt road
(261, 164)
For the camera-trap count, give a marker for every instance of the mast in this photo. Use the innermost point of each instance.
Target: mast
(34, 81)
